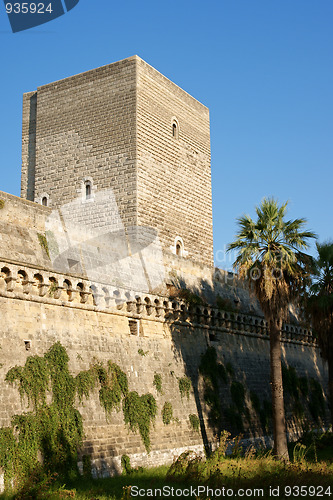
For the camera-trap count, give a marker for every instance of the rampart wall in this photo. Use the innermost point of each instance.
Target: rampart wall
(172, 337)
(144, 334)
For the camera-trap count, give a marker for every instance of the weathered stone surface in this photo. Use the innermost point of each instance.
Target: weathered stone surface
(114, 126)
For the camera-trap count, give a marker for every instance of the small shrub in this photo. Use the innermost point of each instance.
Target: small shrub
(142, 352)
(2, 204)
(167, 413)
(194, 422)
(53, 288)
(185, 385)
(126, 465)
(158, 382)
(43, 243)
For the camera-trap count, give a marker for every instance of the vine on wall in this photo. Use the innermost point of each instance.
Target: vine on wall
(167, 413)
(50, 434)
(139, 414)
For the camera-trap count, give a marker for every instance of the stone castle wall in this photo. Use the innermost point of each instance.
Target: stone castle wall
(113, 126)
(172, 337)
(40, 306)
(180, 203)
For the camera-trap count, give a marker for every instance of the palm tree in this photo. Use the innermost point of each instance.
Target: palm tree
(320, 307)
(271, 260)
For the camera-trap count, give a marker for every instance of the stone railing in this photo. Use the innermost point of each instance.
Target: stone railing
(41, 285)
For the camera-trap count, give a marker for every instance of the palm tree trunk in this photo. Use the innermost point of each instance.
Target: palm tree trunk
(279, 423)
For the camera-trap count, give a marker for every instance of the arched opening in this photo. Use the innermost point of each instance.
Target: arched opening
(88, 190)
(175, 129)
(178, 248)
(44, 201)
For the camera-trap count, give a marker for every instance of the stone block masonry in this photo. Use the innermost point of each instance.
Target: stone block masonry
(126, 127)
(40, 306)
(170, 339)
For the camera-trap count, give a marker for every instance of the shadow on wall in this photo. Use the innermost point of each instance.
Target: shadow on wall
(230, 372)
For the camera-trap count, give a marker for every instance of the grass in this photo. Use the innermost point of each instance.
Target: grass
(256, 470)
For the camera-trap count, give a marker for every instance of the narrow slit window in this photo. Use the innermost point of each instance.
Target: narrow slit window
(88, 191)
(44, 201)
(175, 129)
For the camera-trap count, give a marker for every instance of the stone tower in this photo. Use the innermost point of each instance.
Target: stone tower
(126, 127)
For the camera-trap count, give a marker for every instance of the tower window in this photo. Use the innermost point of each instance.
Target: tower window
(175, 129)
(88, 190)
(178, 247)
(44, 201)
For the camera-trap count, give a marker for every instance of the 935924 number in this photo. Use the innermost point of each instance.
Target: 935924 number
(28, 8)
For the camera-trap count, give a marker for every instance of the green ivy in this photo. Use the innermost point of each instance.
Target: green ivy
(167, 413)
(114, 386)
(209, 367)
(300, 387)
(139, 414)
(194, 422)
(54, 429)
(185, 386)
(85, 383)
(158, 382)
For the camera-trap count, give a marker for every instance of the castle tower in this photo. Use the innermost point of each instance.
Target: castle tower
(126, 127)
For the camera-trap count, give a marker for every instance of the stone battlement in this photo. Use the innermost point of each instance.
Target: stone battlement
(43, 286)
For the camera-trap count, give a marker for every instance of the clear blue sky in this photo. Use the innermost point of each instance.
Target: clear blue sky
(263, 67)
